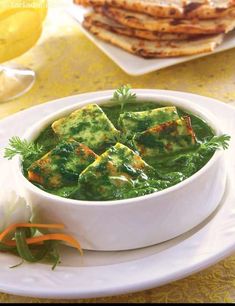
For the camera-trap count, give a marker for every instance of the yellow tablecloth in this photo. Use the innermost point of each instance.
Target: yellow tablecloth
(67, 63)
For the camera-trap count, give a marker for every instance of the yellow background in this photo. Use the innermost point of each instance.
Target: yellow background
(67, 63)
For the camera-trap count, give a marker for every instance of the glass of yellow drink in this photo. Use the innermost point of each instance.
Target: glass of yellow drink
(21, 24)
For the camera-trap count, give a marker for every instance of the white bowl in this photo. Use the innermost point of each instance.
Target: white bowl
(136, 222)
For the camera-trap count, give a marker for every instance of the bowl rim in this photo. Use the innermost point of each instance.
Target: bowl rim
(185, 104)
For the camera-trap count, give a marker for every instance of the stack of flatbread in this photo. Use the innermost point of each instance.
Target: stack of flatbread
(161, 28)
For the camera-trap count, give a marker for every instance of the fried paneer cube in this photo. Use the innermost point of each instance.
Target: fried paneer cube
(88, 125)
(117, 169)
(62, 165)
(133, 122)
(166, 138)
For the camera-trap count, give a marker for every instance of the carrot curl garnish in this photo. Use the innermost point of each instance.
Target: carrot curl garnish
(61, 237)
(29, 225)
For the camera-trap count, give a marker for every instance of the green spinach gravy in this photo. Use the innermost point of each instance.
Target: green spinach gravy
(166, 169)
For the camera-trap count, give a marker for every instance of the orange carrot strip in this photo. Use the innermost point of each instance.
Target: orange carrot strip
(32, 225)
(59, 236)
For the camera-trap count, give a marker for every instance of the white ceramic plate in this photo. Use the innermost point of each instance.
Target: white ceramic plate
(112, 273)
(133, 64)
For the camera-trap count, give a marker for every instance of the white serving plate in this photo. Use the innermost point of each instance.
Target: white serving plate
(133, 64)
(112, 273)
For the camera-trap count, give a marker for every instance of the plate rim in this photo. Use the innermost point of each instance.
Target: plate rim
(139, 285)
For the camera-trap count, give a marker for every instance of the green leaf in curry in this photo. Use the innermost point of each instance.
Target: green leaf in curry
(28, 150)
(123, 95)
(217, 142)
(23, 147)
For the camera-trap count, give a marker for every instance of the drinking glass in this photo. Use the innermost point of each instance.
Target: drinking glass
(21, 24)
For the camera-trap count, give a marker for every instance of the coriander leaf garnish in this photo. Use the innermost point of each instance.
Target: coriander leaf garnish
(22, 147)
(217, 142)
(123, 95)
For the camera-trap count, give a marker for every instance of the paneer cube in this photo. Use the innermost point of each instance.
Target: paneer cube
(117, 169)
(62, 165)
(133, 122)
(166, 138)
(88, 125)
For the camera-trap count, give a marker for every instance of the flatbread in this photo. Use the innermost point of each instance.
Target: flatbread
(169, 25)
(202, 9)
(98, 19)
(156, 49)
